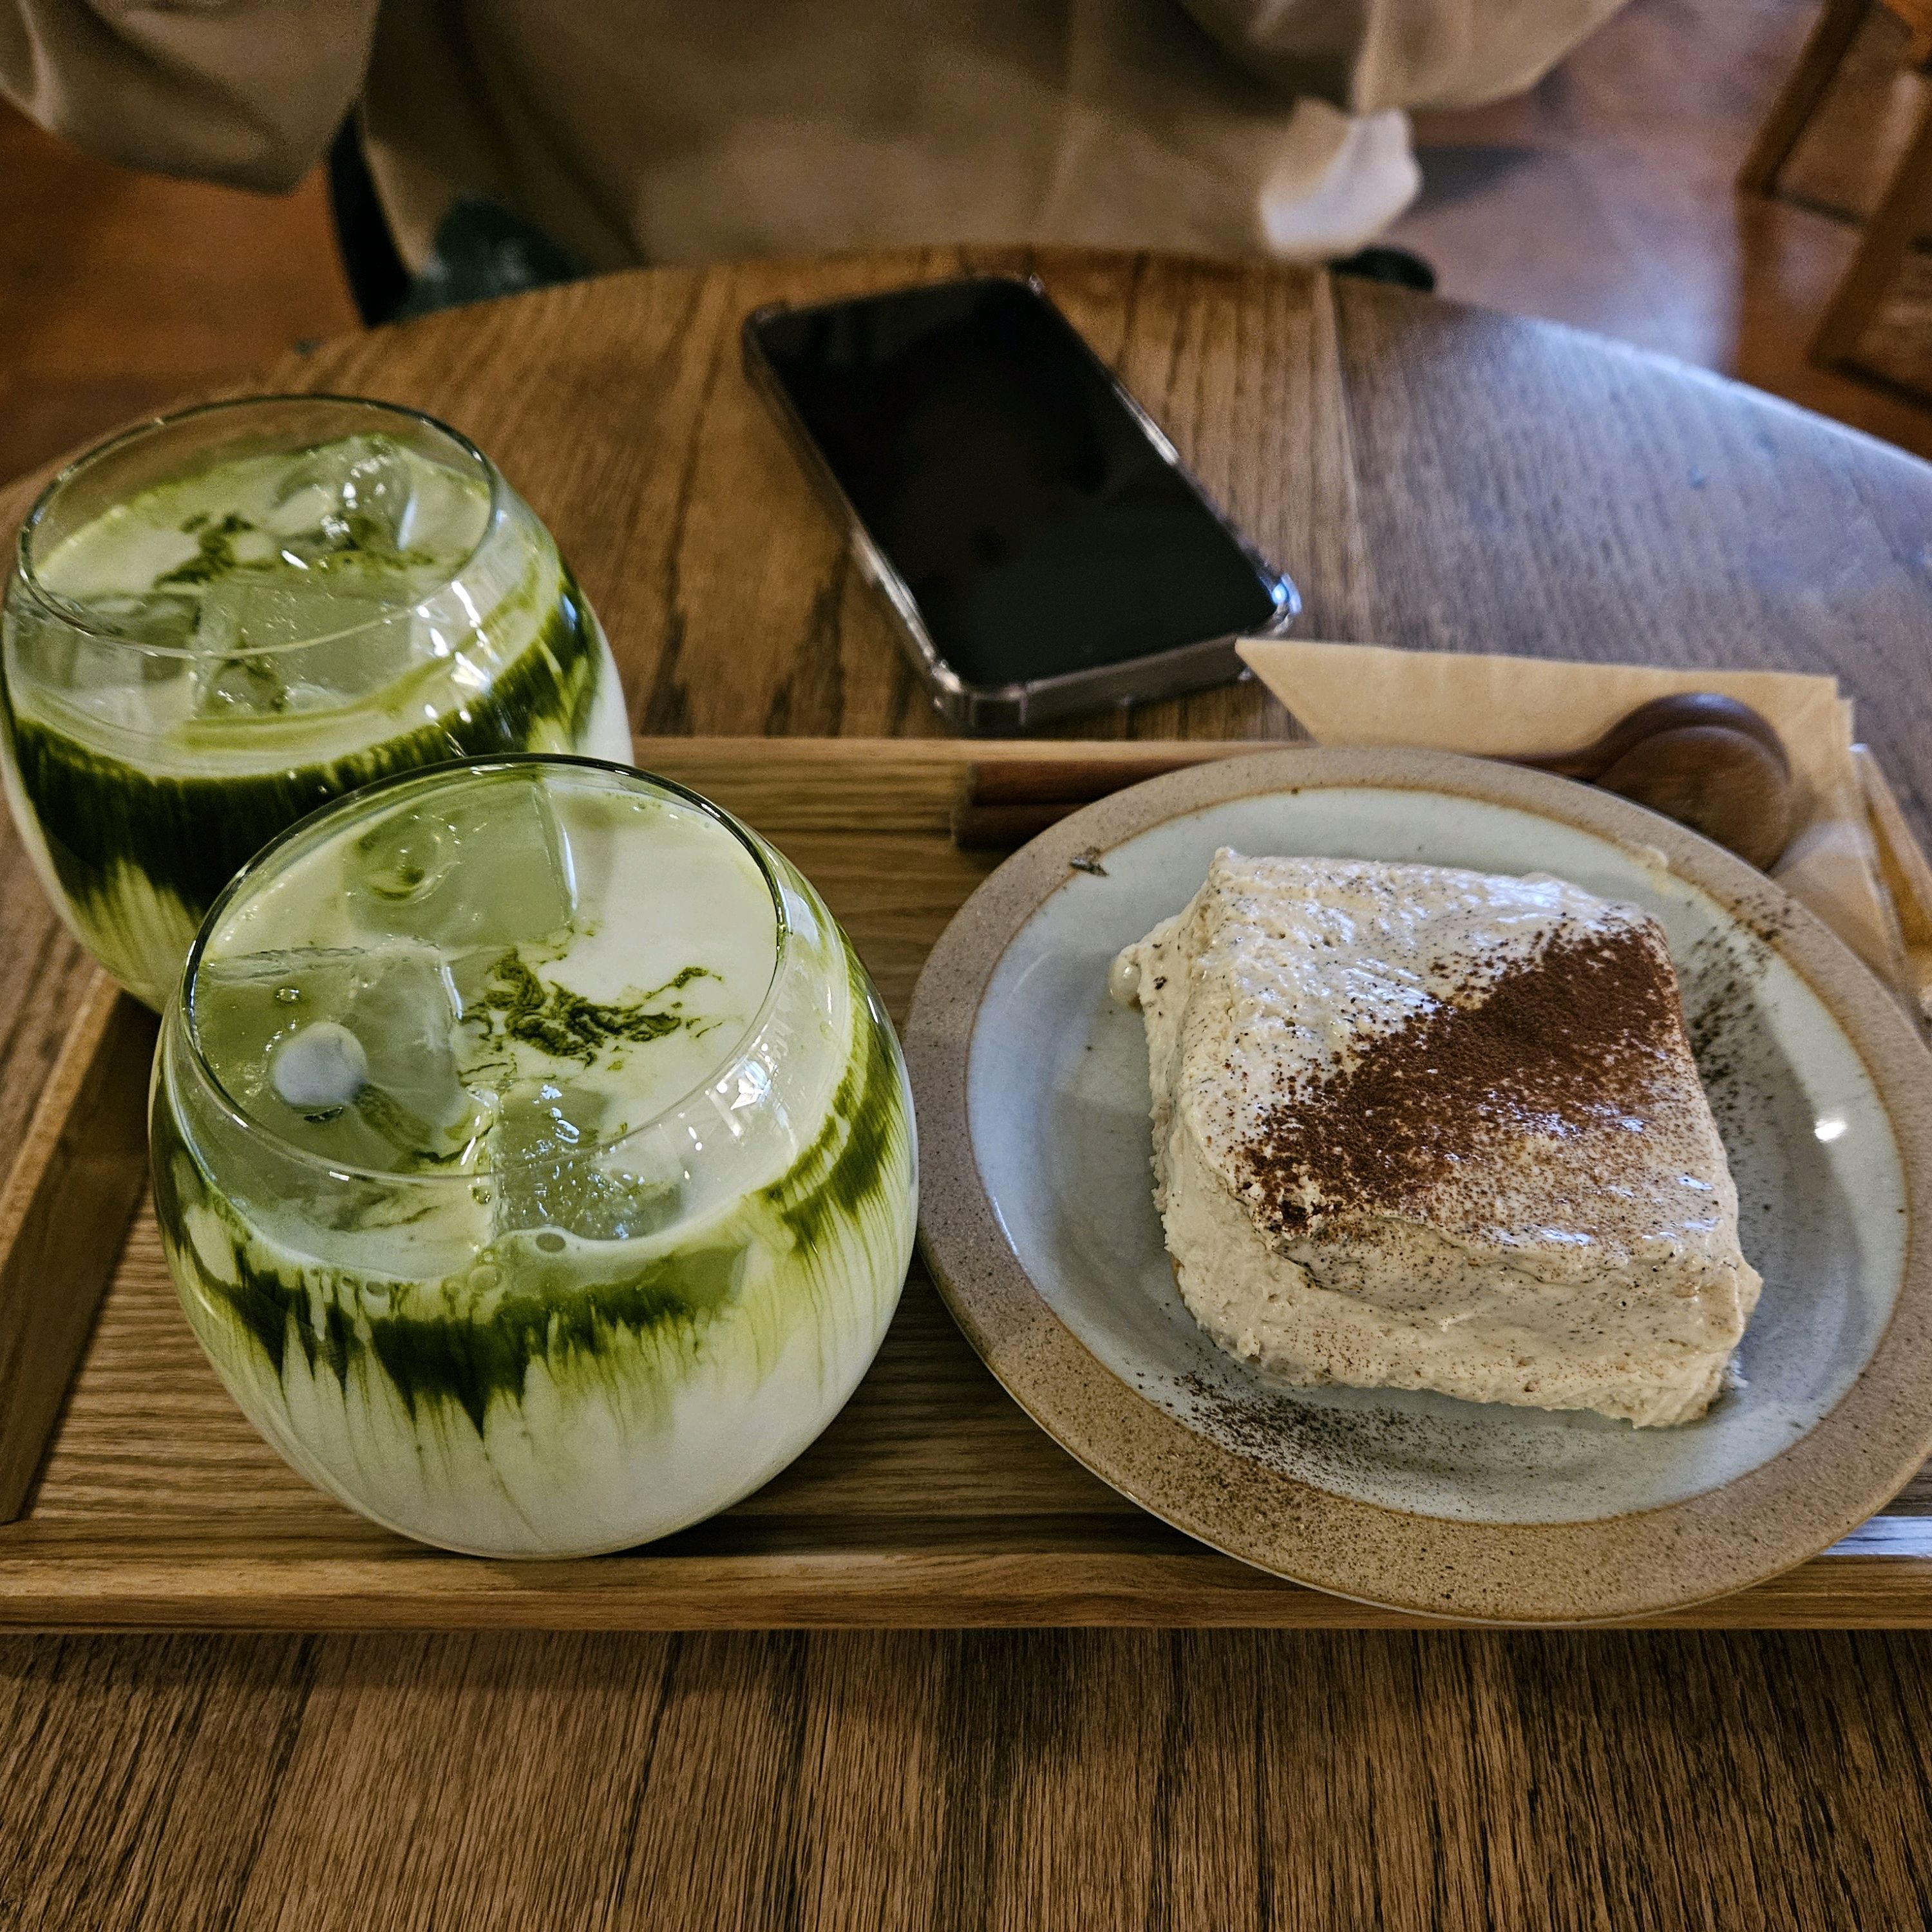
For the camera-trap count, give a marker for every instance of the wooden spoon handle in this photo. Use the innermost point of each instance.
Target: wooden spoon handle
(1584, 764)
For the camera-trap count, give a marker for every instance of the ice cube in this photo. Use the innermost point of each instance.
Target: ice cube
(166, 618)
(256, 632)
(551, 1173)
(241, 687)
(357, 493)
(350, 1054)
(247, 612)
(406, 1016)
(142, 689)
(369, 645)
(245, 1009)
(487, 865)
(320, 1068)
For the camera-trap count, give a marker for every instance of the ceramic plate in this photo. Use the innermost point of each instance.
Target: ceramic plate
(1039, 1222)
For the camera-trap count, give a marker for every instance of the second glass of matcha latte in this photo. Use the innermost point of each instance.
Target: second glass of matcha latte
(224, 618)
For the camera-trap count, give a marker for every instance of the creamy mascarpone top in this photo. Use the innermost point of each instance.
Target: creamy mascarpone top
(1500, 1061)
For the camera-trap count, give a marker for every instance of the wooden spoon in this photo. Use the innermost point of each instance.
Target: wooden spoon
(1707, 761)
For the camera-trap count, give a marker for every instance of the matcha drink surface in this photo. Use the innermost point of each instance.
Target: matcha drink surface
(525, 970)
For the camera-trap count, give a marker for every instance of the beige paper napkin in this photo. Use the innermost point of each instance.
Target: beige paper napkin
(1491, 706)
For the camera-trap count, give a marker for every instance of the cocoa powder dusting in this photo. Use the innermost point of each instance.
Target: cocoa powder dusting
(1582, 1035)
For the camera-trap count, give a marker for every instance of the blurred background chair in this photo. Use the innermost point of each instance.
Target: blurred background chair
(1892, 228)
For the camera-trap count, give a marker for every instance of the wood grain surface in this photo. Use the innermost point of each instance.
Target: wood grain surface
(74, 1182)
(931, 1502)
(1431, 475)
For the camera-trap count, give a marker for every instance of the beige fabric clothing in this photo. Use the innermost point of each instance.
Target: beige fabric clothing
(674, 131)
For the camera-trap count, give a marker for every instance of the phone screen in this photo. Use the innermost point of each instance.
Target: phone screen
(1038, 527)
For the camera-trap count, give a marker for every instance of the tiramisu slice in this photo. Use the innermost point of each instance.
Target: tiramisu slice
(1423, 1129)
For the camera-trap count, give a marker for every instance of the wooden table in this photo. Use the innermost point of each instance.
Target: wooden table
(1432, 475)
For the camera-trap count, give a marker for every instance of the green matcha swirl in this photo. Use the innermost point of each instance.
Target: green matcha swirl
(140, 855)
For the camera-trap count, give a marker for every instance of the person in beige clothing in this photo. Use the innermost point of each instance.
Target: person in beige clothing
(677, 131)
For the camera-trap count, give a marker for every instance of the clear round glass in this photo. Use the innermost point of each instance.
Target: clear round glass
(600, 1214)
(221, 620)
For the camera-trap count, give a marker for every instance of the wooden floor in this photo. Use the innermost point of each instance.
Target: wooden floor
(1602, 199)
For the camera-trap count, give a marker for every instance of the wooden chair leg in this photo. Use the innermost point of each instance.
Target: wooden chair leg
(1890, 231)
(1797, 100)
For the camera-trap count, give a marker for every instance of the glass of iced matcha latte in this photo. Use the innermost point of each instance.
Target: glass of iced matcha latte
(532, 1155)
(221, 620)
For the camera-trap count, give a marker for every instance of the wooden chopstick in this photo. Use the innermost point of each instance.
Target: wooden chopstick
(1906, 871)
(1008, 800)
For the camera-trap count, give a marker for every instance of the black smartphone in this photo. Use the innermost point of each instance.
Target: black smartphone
(1042, 548)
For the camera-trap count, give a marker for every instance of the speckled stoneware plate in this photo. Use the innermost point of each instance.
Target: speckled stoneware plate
(1038, 1220)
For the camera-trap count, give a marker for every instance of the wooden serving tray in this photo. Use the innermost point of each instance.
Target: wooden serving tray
(148, 1502)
